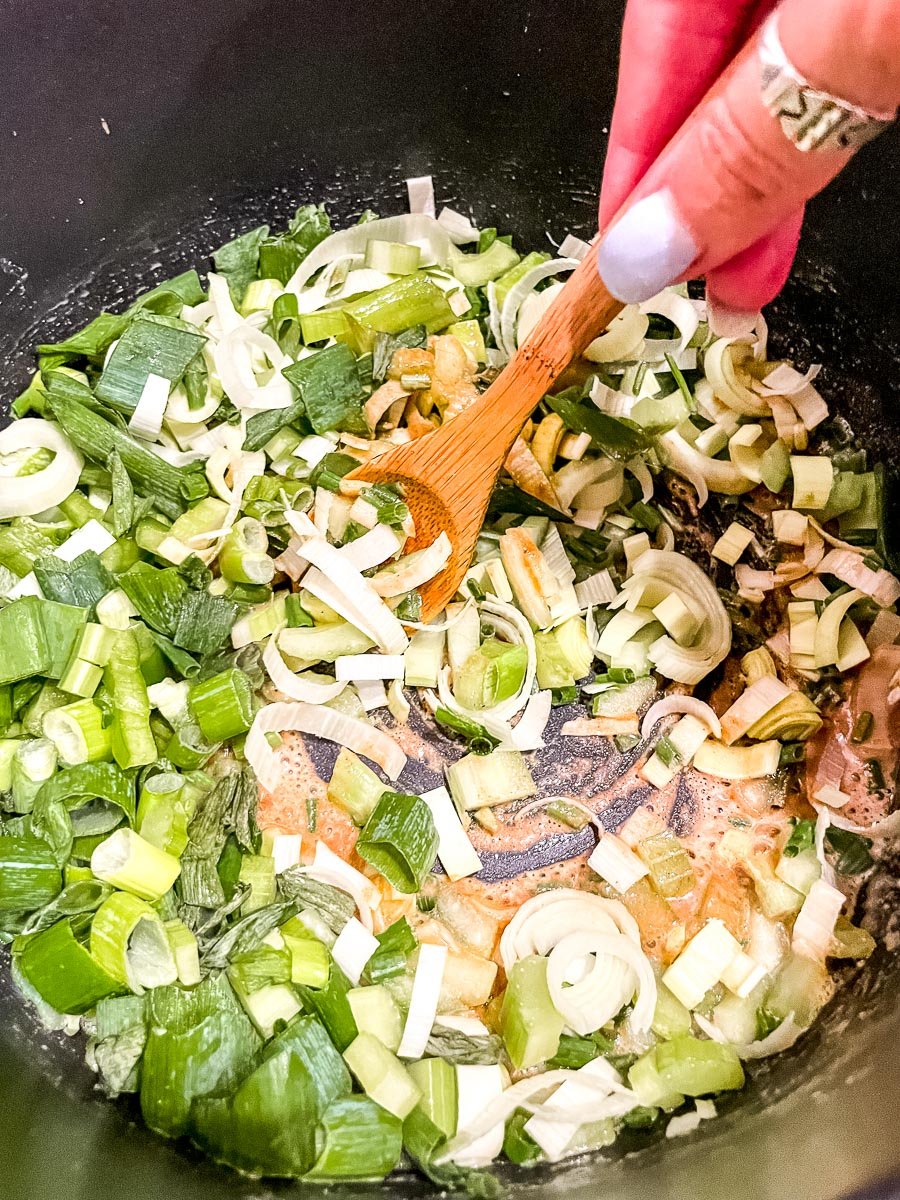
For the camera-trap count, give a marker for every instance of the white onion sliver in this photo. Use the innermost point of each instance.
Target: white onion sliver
(528, 731)
(680, 704)
(458, 225)
(573, 247)
(372, 548)
(420, 190)
(321, 722)
(514, 297)
(412, 228)
(341, 580)
(234, 363)
(293, 685)
(328, 867)
(678, 310)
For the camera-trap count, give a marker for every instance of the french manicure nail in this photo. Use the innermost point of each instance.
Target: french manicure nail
(647, 249)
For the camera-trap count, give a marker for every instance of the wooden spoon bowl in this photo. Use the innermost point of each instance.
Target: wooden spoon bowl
(448, 476)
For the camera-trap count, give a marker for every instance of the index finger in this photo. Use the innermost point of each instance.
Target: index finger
(672, 51)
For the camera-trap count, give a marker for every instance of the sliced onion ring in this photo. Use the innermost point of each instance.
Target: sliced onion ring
(25, 495)
(594, 1000)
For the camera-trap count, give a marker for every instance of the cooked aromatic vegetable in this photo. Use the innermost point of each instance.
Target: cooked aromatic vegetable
(226, 844)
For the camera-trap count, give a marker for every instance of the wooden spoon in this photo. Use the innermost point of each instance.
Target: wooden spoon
(447, 476)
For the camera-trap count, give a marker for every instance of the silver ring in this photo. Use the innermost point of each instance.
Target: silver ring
(809, 118)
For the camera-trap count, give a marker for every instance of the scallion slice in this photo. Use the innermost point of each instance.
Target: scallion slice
(129, 941)
(400, 840)
(126, 860)
(223, 705)
(63, 972)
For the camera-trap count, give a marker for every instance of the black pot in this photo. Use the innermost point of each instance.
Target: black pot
(220, 116)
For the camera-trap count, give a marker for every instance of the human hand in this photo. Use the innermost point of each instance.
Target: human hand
(726, 199)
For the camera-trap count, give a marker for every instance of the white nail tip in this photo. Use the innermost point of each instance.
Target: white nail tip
(646, 250)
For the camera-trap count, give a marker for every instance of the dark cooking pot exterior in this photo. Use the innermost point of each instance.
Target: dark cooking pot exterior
(133, 138)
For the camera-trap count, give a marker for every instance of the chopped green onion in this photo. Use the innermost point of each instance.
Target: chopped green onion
(77, 732)
(360, 1140)
(396, 943)
(790, 753)
(477, 738)
(413, 300)
(198, 1042)
(132, 739)
(126, 860)
(129, 941)
(354, 787)
(223, 705)
(243, 557)
(164, 812)
(331, 1006)
(29, 874)
(668, 753)
(183, 945)
(97, 438)
(26, 650)
(568, 814)
(400, 840)
(63, 973)
(33, 763)
(862, 728)
(668, 863)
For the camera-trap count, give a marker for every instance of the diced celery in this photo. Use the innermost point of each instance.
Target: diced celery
(381, 1075)
(531, 1026)
(375, 1011)
(310, 960)
(470, 335)
(259, 872)
(644, 1078)
(801, 988)
(670, 1017)
(422, 658)
(268, 1005)
(412, 300)
(354, 787)
(801, 871)
(436, 1080)
(696, 1067)
(392, 258)
(475, 270)
(813, 480)
(668, 863)
(482, 780)
(323, 643)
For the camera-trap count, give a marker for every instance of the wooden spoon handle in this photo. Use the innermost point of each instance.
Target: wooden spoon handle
(581, 311)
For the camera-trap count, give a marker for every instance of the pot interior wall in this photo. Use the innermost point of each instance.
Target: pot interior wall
(222, 120)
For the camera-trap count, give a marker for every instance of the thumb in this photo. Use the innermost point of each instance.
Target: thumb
(750, 156)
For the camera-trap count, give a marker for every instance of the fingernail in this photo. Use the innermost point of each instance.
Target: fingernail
(729, 322)
(646, 250)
